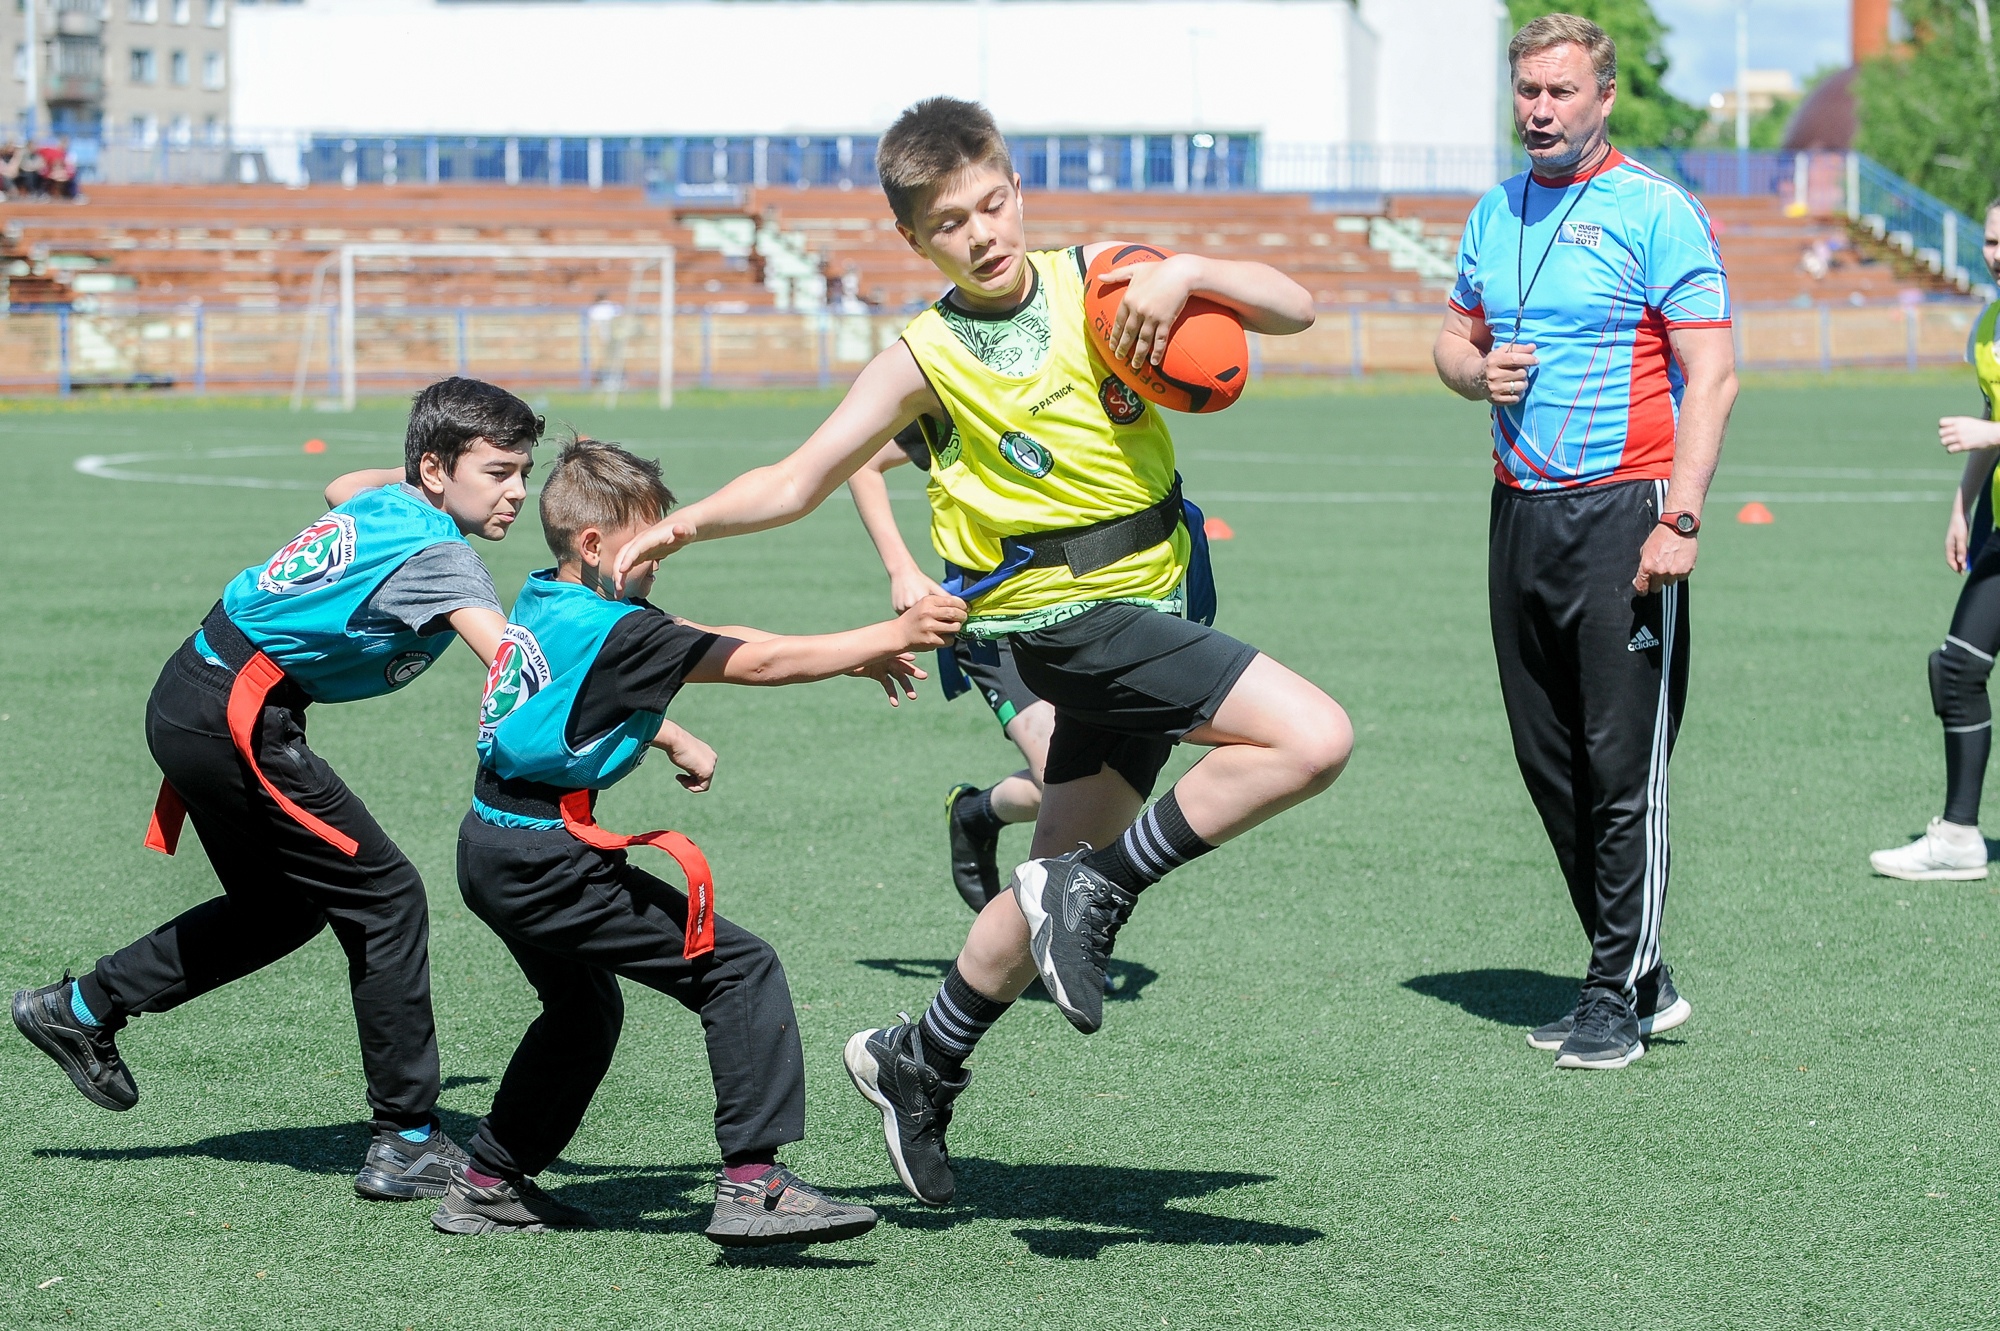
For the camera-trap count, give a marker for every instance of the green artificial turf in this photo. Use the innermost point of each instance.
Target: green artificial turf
(1311, 1105)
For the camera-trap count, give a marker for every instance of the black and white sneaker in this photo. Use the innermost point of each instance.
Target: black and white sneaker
(1660, 1007)
(975, 866)
(1606, 1034)
(1074, 914)
(781, 1208)
(88, 1054)
(397, 1169)
(888, 1068)
(505, 1208)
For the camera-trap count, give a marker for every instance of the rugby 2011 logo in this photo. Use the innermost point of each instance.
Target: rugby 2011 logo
(1026, 454)
(519, 672)
(316, 557)
(1121, 402)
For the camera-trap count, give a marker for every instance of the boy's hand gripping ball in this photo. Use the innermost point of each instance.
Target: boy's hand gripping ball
(1208, 356)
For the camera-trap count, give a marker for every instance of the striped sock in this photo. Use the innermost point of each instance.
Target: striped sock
(1158, 842)
(955, 1020)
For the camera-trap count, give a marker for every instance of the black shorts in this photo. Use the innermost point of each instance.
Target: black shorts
(1127, 681)
(989, 667)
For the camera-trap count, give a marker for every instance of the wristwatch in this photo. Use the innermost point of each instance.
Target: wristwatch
(1687, 524)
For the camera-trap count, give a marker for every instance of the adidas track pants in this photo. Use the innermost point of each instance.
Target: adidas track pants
(1594, 677)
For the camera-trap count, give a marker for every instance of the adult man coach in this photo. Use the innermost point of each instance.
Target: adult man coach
(1592, 312)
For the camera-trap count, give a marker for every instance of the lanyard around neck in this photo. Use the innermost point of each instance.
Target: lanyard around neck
(1520, 248)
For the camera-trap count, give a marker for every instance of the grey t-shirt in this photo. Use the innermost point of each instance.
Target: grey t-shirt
(428, 589)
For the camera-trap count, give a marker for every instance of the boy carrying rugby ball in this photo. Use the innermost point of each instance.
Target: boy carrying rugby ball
(1061, 525)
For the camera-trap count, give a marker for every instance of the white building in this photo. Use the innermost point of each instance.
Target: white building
(1318, 84)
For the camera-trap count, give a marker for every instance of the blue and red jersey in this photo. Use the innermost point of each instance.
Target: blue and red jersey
(1631, 256)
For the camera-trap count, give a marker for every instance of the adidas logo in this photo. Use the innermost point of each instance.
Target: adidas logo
(1642, 641)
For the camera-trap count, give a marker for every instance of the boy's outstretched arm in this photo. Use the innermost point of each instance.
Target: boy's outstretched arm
(695, 759)
(880, 651)
(343, 488)
(889, 394)
(908, 583)
(1267, 300)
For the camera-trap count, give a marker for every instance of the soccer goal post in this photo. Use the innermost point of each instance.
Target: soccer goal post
(645, 255)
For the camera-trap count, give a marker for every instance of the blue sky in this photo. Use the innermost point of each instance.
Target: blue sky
(1799, 35)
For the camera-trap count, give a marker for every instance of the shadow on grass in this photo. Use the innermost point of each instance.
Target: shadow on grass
(1510, 997)
(1123, 981)
(1097, 1207)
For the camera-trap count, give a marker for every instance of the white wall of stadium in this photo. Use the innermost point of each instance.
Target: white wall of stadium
(1386, 73)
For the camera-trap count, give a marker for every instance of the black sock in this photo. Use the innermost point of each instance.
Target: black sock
(953, 1023)
(1965, 773)
(976, 815)
(1158, 842)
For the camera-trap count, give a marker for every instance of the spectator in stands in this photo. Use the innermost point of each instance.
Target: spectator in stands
(58, 173)
(12, 157)
(32, 184)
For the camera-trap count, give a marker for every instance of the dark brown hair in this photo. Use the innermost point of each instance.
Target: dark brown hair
(932, 142)
(595, 484)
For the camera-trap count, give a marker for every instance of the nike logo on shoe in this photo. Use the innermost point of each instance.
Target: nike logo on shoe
(1642, 641)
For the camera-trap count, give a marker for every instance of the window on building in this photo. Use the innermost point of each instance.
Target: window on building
(211, 129)
(215, 13)
(20, 62)
(183, 12)
(211, 70)
(143, 11)
(144, 70)
(145, 129)
(177, 68)
(182, 131)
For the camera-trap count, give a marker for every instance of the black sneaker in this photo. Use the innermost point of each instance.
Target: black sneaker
(87, 1053)
(505, 1208)
(1074, 914)
(780, 1208)
(397, 1169)
(888, 1068)
(975, 868)
(1660, 1008)
(1606, 1034)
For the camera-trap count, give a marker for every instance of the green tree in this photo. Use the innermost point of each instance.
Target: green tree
(1647, 115)
(1927, 112)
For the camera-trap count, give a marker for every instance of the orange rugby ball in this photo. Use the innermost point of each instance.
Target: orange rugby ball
(1208, 356)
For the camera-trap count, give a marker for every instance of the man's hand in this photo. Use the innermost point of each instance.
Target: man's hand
(1666, 558)
(1505, 376)
(663, 538)
(1957, 540)
(933, 621)
(1155, 294)
(695, 759)
(909, 586)
(1967, 434)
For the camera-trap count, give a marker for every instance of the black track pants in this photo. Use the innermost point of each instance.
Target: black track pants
(1959, 672)
(1594, 677)
(281, 885)
(577, 919)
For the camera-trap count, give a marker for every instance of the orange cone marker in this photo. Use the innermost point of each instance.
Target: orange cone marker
(315, 445)
(1217, 530)
(1755, 514)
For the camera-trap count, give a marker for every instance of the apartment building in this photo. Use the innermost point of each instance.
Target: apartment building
(125, 71)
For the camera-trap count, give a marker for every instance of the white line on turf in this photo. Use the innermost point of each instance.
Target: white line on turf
(113, 467)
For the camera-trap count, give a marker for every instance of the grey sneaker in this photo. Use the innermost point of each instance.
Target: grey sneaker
(505, 1208)
(1074, 914)
(397, 1169)
(781, 1208)
(888, 1068)
(88, 1054)
(1606, 1034)
(1660, 1007)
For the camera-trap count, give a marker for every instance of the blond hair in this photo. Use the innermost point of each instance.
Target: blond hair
(932, 142)
(595, 484)
(1567, 30)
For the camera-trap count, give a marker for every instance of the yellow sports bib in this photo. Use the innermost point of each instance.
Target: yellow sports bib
(1043, 437)
(1987, 365)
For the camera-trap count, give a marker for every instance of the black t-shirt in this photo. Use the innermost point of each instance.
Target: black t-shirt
(641, 666)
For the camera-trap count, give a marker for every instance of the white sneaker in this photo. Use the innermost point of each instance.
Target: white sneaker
(1944, 851)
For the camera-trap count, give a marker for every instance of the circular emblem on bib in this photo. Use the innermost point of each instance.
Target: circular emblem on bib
(1120, 402)
(315, 557)
(404, 667)
(519, 671)
(1026, 454)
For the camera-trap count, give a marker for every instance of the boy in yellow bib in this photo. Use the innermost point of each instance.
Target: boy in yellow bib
(1055, 506)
